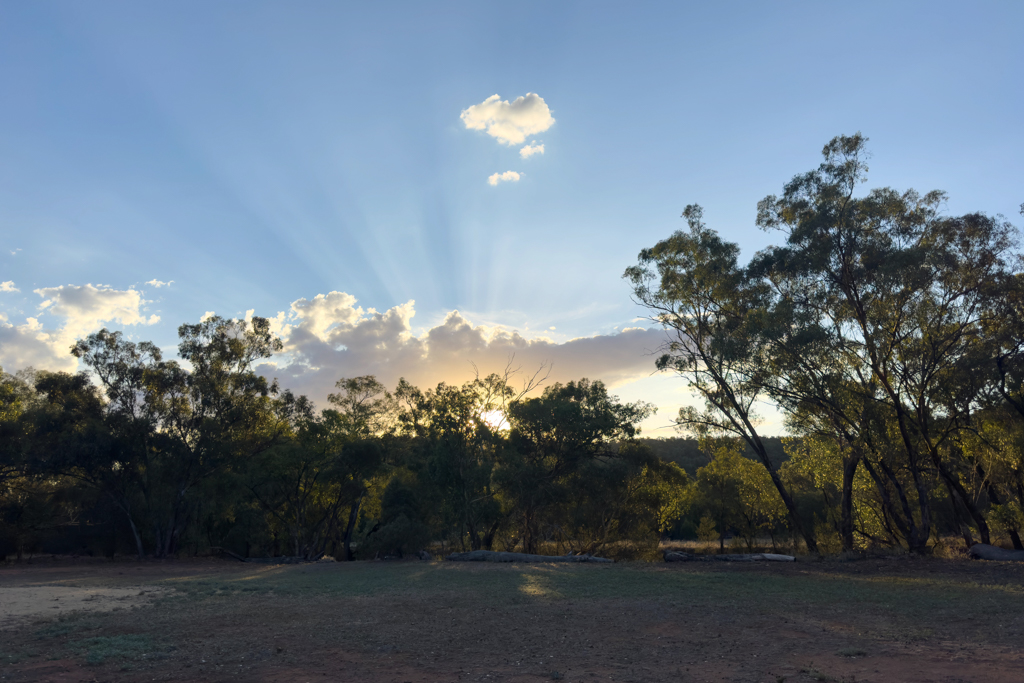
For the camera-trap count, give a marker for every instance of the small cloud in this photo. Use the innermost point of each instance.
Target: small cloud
(506, 177)
(207, 316)
(15, 252)
(160, 283)
(509, 122)
(531, 149)
(8, 287)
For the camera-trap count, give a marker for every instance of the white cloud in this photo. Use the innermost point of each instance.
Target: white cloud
(506, 177)
(330, 337)
(159, 283)
(206, 316)
(8, 287)
(29, 344)
(509, 122)
(529, 150)
(83, 309)
(86, 307)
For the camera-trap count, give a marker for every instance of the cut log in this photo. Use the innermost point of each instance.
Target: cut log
(679, 556)
(493, 556)
(981, 551)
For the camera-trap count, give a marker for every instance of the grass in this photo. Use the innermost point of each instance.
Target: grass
(67, 624)
(905, 608)
(908, 597)
(126, 647)
(369, 605)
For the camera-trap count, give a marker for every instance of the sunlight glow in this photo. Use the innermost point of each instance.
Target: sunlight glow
(495, 419)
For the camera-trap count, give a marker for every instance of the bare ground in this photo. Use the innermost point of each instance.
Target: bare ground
(880, 620)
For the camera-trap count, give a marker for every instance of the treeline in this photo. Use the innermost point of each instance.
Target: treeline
(169, 457)
(891, 337)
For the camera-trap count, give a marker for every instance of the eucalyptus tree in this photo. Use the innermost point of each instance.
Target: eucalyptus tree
(17, 397)
(871, 324)
(902, 295)
(365, 420)
(458, 445)
(173, 426)
(314, 479)
(694, 287)
(553, 438)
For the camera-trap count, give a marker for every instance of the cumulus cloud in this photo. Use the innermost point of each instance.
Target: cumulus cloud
(509, 122)
(159, 283)
(506, 177)
(8, 287)
(75, 311)
(29, 344)
(86, 307)
(329, 337)
(529, 150)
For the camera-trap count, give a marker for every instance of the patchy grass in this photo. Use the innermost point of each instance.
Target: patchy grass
(67, 624)
(124, 647)
(625, 620)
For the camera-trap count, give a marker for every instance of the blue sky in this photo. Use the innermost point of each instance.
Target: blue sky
(257, 155)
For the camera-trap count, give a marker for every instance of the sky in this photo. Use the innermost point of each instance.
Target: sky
(428, 189)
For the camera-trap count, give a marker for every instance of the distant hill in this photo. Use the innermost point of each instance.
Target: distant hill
(685, 453)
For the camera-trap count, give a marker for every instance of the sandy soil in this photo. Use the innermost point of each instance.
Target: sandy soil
(19, 603)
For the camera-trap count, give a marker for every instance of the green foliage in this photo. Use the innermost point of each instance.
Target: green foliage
(884, 330)
(890, 335)
(707, 532)
(736, 493)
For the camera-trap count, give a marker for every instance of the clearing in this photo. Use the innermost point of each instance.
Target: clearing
(890, 619)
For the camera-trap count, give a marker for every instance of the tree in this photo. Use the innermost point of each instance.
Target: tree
(693, 286)
(552, 437)
(901, 295)
(170, 427)
(873, 326)
(315, 478)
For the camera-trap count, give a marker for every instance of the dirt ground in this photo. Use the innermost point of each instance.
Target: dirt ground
(882, 620)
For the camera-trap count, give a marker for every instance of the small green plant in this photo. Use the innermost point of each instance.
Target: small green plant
(100, 649)
(851, 652)
(706, 530)
(829, 541)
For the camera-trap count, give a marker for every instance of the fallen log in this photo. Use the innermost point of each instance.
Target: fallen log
(494, 556)
(227, 552)
(270, 560)
(679, 556)
(981, 551)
